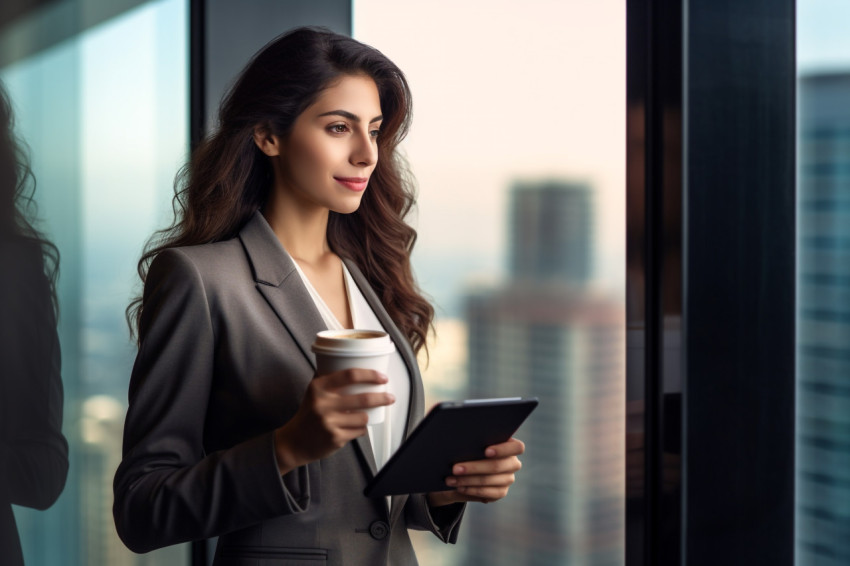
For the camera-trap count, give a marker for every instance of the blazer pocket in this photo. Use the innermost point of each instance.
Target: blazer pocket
(270, 556)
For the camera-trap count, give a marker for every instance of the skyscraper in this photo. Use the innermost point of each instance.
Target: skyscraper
(823, 366)
(548, 333)
(551, 227)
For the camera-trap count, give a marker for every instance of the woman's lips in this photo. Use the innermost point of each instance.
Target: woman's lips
(353, 183)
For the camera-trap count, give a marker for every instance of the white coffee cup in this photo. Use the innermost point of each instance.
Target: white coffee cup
(344, 349)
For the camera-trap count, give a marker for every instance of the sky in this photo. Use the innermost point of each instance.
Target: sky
(823, 35)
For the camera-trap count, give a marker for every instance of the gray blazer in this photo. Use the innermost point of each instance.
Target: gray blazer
(224, 359)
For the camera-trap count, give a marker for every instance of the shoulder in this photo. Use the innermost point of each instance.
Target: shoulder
(208, 273)
(210, 264)
(23, 271)
(25, 255)
(193, 279)
(206, 258)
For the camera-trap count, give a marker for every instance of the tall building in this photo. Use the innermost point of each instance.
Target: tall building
(823, 366)
(548, 333)
(551, 228)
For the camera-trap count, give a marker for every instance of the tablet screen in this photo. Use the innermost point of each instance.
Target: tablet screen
(452, 432)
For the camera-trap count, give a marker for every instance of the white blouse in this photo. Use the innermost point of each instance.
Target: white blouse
(387, 436)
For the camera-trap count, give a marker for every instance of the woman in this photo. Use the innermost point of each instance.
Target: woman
(33, 451)
(292, 222)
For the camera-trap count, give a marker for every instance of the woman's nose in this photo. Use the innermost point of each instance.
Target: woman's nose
(365, 150)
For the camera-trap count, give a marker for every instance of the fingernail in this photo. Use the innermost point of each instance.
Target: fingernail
(383, 377)
(391, 397)
(490, 452)
(459, 470)
(451, 481)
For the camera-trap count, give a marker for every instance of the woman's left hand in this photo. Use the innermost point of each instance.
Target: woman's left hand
(482, 480)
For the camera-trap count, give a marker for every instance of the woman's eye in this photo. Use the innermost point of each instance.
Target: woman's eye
(338, 128)
(375, 133)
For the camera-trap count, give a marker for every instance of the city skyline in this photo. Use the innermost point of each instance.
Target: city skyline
(546, 332)
(823, 345)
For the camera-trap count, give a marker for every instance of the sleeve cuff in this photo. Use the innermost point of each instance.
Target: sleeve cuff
(295, 485)
(444, 521)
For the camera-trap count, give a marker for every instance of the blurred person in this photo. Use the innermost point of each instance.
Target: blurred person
(33, 451)
(290, 220)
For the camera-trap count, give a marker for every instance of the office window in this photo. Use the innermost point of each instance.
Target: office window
(104, 112)
(823, 281)
(518, 148)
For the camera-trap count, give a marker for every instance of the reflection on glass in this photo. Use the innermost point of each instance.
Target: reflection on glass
(823, 315)
(517, 146)
(104, 113)
(33, 451)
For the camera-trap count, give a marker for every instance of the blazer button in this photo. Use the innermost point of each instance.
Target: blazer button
(379, 530)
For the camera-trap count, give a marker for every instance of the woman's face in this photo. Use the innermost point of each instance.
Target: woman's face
(332, 149)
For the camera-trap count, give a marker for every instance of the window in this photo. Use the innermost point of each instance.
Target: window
(104, 113)
(823, 284)
(517, 146)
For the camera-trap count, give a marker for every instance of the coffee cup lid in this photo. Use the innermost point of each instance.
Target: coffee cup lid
(353, 343)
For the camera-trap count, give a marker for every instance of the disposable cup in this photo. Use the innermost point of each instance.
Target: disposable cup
(344, 349)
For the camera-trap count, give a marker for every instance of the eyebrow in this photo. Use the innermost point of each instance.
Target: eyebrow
(350, 116)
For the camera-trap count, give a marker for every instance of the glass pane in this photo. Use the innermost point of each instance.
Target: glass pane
(105, 116)
(823, 315)
(518, 146)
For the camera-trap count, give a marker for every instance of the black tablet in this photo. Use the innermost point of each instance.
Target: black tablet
(452, 432)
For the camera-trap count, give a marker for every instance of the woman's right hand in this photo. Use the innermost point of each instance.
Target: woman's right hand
(327, 418)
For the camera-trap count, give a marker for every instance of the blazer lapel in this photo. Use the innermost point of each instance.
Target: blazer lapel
(281, 286)
(417, 395)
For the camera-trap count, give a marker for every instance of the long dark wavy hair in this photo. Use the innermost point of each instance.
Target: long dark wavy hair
(229, 178)
(18, 210)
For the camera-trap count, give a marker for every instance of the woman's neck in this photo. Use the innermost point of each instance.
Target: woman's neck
(302, 230)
